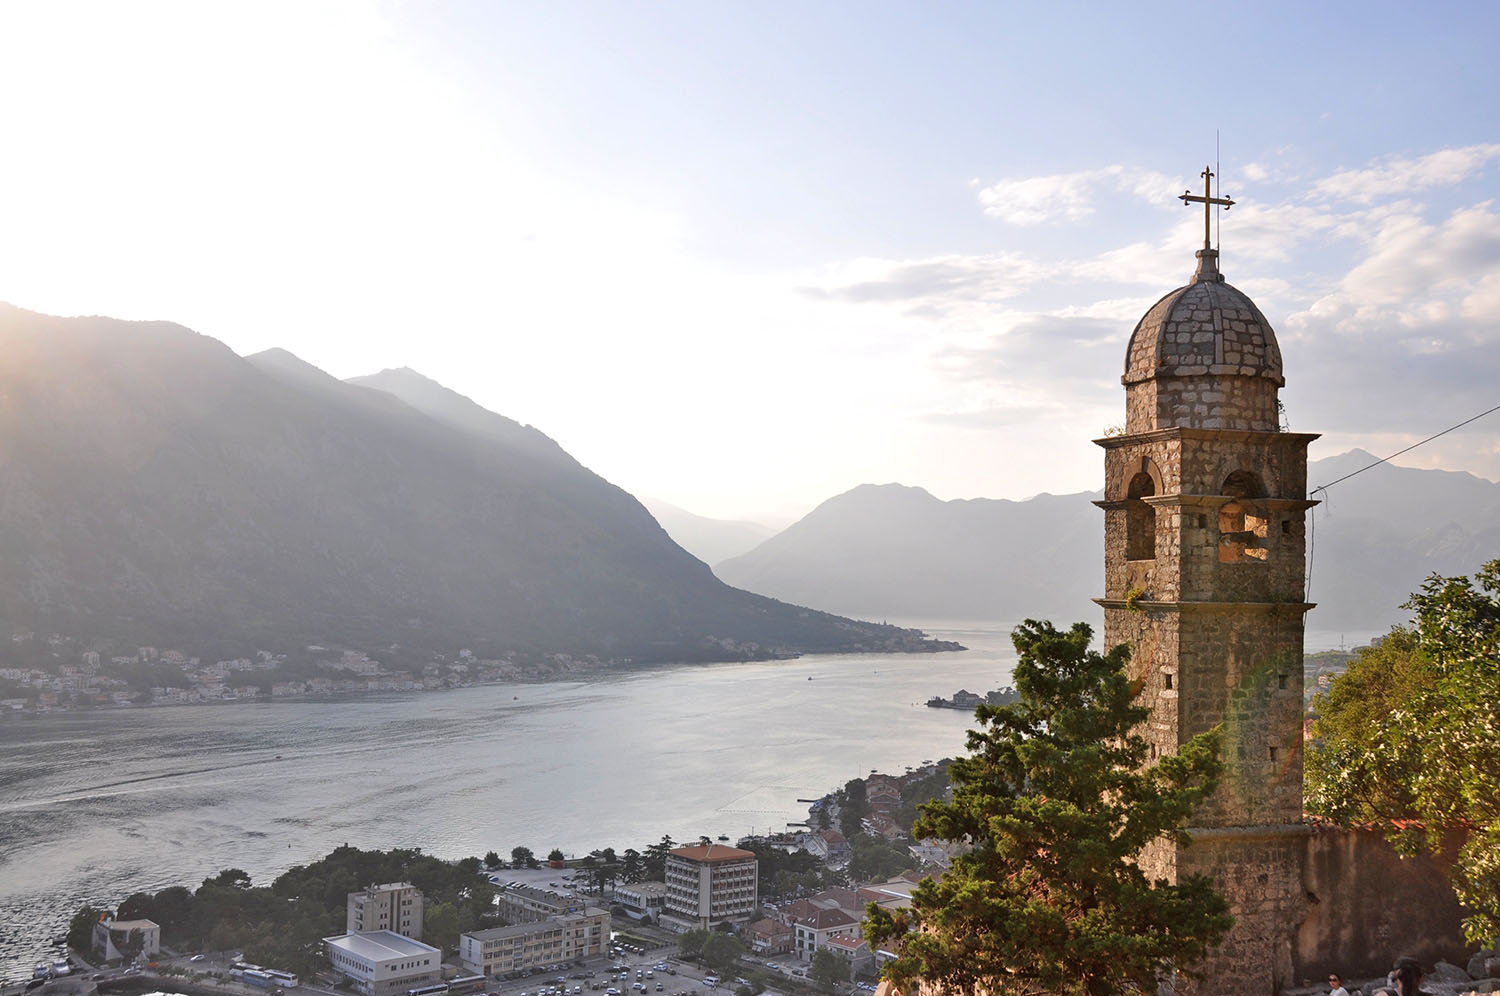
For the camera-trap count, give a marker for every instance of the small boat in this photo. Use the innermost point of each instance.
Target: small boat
(723, 836)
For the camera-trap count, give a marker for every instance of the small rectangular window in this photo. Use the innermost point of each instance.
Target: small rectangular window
(1168, 677)
(1286, 527)
(1202, 521)
(1281, 681)
(1273, 752)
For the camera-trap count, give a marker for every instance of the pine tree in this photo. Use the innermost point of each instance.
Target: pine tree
(1057, 800)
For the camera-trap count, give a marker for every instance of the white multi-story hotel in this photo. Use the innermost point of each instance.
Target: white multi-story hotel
(395, 907)
(709, 884)
(384, 963)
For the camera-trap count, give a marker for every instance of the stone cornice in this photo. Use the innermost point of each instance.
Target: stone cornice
(1270, 608)
(1220, 435)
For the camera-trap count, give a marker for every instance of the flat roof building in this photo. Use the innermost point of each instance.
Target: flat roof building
(383, 962)
(396, 906)
(525, 904)
(710, 884)
(115, 939)
(522, 946)
(642, 900)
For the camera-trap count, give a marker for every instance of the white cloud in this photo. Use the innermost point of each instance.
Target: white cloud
(1400, 175)
(1071, 196)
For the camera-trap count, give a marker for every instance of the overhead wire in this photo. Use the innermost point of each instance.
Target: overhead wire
(1312, 518)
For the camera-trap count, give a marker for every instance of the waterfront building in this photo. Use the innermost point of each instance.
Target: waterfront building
(383, 962)
(524, 904)
(709, 884)
(396, 906)
(113, 938)
(521, 946)
(642, 900)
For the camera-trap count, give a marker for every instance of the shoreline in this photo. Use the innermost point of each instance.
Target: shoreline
(553, 677)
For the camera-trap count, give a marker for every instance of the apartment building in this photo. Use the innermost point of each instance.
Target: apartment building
(396, 907)
(525, 904)
(709, 884)
(521, 946)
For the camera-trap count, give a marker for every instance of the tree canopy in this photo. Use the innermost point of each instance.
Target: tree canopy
(1057, 800)
(282, 924)
(828, 969)
(1409, 737)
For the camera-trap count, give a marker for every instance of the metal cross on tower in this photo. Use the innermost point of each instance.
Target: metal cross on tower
(1207, 201)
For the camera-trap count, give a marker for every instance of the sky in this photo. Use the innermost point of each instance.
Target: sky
(742, 257)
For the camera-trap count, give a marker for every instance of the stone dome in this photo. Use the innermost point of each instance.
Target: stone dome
(1204, 357)
(1207, 328)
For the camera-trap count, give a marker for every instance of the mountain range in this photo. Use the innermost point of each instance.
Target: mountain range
(157, 489)
(891, 551)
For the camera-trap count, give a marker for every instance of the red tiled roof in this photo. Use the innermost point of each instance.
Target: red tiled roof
(843, 941)
(824, 919)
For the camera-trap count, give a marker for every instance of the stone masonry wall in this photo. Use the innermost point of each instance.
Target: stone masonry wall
(1242, 667)
(1260, 871)
(1202, 403)
(1366, 905)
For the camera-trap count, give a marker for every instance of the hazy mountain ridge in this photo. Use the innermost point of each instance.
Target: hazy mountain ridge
(891, 551)
(899, 552)
(710, 540)
(157, 488)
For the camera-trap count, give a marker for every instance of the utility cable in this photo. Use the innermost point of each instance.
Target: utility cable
(1312, 518)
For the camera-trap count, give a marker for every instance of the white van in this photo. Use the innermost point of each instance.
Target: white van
(711, 981)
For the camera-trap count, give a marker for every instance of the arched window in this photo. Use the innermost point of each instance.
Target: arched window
(1140, 519)
(1242, 526)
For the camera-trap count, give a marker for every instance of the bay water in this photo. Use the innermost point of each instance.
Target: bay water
(97, 805)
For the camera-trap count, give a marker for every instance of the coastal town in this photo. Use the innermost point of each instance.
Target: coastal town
(777, 913)
(57, 677)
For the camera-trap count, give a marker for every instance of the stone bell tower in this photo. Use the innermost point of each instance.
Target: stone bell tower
(1204, 512)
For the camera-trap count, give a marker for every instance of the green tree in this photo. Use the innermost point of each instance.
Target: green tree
(654, 859)
(721, 951)
(1409, 737)
(691, 942)
(81, 927)
(176, 912)
(590, 866)
(440, 926)
(875, 858)
(522, 857)
(828, 969)
(853, 807)
(631, 868)
(230, 878)
(1057, 800)
(137, 906)
(555, 854)
(491, 859)
(129, 943)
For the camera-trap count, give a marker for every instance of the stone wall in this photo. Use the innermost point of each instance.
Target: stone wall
(1366, 905)
(1202, 403)
(1259, 870)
